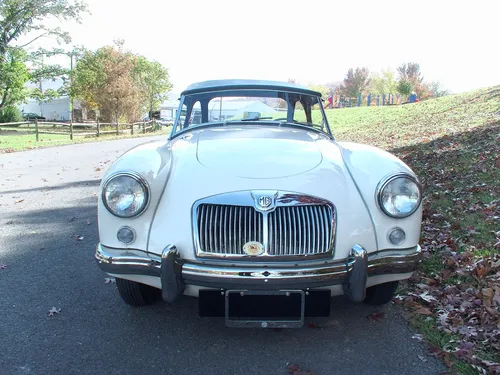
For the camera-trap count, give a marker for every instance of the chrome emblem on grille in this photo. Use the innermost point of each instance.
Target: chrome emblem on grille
(253, 248)
(265, 201)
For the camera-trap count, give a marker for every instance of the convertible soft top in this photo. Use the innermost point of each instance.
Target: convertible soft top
(232, 84)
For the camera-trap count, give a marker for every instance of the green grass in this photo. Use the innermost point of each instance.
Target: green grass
(452, 143)
(18, 140)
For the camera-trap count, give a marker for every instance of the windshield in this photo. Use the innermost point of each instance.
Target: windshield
(245, 107)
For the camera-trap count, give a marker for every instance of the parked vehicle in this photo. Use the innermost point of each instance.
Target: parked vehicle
(32, 116)
(263, 215)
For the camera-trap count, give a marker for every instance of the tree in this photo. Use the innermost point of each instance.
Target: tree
(104, 81)
(384, 83)
(409, 74)
(13, 78)
(320, 88)
(436, 90)
(154, 81)
(404, 87)
(27, 19)
(355, 82)
(119, 84)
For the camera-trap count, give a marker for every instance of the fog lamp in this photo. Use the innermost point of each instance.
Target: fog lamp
(397, 236)
(125, 235)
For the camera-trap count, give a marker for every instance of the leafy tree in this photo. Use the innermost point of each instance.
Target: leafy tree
(355, 82)
(384, 82)
(10, 114)
(13, 78)
(320, 88)
(104, 81)
(118, 83)
(410, 72)
(436, 89)
(27, 19)
(404, 87)
(154, 82)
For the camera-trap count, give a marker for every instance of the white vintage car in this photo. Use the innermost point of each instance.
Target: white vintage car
(254, 207)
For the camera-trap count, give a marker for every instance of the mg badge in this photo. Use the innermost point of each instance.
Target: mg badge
(253, 248)
(265, 201)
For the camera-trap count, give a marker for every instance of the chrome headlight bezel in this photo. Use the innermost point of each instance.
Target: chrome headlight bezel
(385, 182)
(139, 179)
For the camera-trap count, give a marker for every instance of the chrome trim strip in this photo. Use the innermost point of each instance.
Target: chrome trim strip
(390, 261)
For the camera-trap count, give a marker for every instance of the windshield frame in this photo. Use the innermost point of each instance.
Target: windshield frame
(246, 92)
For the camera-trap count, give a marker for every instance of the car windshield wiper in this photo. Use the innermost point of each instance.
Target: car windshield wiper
(256, 118)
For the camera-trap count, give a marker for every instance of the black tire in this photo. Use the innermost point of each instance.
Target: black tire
(137, 294)
(380, 294)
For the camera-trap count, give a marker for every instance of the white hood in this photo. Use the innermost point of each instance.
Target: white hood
(258, 152)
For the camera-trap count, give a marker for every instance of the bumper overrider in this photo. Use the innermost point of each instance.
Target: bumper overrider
(352, 273)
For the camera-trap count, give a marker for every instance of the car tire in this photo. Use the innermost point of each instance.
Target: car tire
(380, 294)
(137, 294)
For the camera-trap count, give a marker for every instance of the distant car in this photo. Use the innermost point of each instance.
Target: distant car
(32, 116)
(164, 122)
(262, 214)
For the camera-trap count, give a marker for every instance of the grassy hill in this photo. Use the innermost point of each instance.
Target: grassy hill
(453, 144)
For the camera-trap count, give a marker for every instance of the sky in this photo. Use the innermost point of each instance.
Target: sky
(315, 42)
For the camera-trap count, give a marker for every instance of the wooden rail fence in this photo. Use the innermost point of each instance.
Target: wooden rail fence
(81, 129)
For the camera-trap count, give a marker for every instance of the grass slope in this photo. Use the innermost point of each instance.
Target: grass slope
(453, 144)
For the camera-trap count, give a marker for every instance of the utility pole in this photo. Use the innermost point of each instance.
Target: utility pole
(71, 97)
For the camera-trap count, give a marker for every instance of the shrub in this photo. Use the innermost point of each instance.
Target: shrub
(10, 114)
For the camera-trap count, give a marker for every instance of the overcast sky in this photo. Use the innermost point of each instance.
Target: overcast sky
(456, 42)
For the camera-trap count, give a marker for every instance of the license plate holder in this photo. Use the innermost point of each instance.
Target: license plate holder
(264, 308)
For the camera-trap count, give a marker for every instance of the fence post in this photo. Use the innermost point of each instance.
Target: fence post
(359, 100)
(117, 128)
(132, 129)
(98, 128)
(144, 127)
(36, 129)
(71, 128)
(368, 100)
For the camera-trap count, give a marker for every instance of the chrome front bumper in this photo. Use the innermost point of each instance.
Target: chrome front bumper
(174, 272)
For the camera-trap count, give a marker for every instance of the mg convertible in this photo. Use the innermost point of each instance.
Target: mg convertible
(252, 206)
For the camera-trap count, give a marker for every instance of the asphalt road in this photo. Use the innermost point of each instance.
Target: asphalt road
(48, 203)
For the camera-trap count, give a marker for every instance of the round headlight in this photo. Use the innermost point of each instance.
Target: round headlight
(125, 195)
(399, 196)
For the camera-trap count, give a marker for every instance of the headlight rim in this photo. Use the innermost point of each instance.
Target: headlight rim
(136, 176)
(387, 180)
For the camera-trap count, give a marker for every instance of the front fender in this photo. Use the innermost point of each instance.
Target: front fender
(367, 166)
(152, 161)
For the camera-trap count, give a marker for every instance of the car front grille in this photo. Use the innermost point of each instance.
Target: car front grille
(221, 230)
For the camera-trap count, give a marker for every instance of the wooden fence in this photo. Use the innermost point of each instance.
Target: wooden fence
(81, 129)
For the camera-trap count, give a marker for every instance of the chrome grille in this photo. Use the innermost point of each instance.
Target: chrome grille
(224, 229)
(300, 230)
(293, 225)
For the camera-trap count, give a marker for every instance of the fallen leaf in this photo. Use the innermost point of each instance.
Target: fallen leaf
(88, 222)
(376, 316)
(3, 266)
(97, 170)
(78, 238)
(72, 219)
(54, 310)
(313, 325)
(423, 311)
(418, 337)
(20, 201)
(109, 280)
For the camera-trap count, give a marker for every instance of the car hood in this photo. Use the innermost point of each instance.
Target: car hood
(258, 152)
